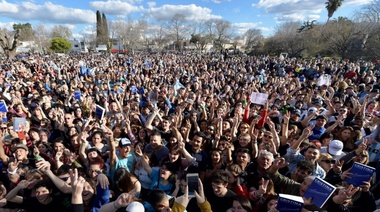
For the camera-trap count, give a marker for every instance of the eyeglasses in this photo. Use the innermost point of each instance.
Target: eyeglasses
(329, 161)
(343, 111)
(362, 156)
(268, 136)
(4, 128)
(212, 129)
(244, 127)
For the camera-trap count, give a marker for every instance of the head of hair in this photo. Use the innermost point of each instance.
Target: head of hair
(123, 181)
(306, 165)
(156, 197)
(244, 202)
(219, 177)
(44, 183)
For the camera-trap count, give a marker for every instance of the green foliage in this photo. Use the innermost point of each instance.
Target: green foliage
(60, 45)
(26, 31)
(332, 6)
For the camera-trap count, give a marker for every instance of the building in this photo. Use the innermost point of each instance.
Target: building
(79, 46)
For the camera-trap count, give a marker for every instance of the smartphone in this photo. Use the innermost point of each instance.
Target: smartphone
(192, 183)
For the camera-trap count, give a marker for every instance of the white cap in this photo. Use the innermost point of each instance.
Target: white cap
(335, 147)
(135, 207)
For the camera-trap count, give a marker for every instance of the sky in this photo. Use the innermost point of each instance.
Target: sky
(80, 15)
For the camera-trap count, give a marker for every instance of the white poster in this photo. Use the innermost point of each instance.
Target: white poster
(259, 98)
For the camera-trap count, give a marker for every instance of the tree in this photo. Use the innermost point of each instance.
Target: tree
(26, 31)
(42, 38)
(199, 41)
(60, 45)
(253, 37)
(179, 27)
(222, 33)
(332, 6)
(61, 31)
(105, 32)
(9, 42)
(307, 25)
(99, 27)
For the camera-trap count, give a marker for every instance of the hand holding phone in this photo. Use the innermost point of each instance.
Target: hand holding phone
(192, 183)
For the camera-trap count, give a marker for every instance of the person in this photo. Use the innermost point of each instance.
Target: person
(156, 145)
(219, 196)
(44, 199)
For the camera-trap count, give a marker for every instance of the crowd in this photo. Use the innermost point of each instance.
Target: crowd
(170, 115)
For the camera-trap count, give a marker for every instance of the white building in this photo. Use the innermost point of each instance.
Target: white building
(26, 46)
(78, 46)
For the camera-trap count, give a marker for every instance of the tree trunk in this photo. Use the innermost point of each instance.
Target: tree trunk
(9, 43)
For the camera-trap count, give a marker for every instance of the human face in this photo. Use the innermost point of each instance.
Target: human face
(92, 155)
(242, 158)
(236, 207)
(320, 122)
(299, 175)
(215, 156)
(165, 124)
(42, 148)
(244, 141)
(68, 119)
(219, 189)
(93, 171)
(43, 195)
(155, 141)
(244, 128)
(361, 158)
(124, 151)
(96, 139)
(87, 192)
(173, 156)
(197, 143)
(34, 136)
(164, 172)
(43, 137)
(265, 161)
(271, 203)
(345, 134)
(142, 134)
(21, 154)
(58, 147)
(305, 185)
(327, 164)
(312, 155)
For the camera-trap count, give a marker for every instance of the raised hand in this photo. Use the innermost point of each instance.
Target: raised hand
(200, 196)
(263, 187)
(77, 184)
(337, 168)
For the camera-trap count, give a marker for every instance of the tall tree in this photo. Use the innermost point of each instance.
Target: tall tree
(26, 31)
(105, 32)
(332, 6)
(9, 42)
(99, 27)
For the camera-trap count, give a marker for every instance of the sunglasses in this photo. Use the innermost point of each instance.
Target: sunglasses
(268, 136)
(4, 128)
(329, 161)
(362, 156)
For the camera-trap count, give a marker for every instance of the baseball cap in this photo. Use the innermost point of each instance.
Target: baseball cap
(125, 142)
(297, 112)
(18, 146)
(312, 109)
(335, 147)
(135, 207)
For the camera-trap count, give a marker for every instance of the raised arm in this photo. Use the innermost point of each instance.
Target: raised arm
(143, 160)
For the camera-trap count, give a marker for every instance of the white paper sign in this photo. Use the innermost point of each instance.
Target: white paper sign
(324, 80)
(259, 98)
